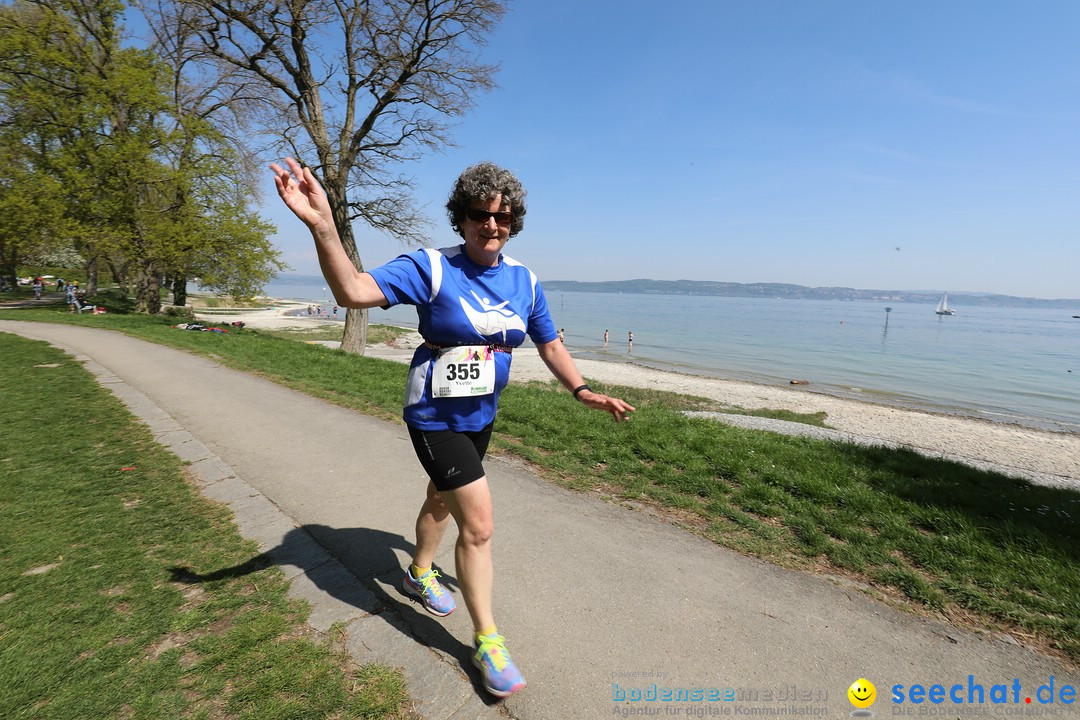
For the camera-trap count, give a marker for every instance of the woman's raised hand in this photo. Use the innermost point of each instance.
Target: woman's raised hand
(302, 194)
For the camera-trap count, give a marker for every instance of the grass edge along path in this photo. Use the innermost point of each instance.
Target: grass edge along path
(93, 514)
(975, 547)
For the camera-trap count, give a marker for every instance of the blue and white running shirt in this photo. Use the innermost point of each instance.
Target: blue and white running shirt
(461, 303)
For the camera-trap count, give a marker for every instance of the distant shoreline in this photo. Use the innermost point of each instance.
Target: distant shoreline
(782, 291)
(772, 291)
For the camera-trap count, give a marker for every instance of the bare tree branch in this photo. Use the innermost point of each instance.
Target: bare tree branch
(354, 88)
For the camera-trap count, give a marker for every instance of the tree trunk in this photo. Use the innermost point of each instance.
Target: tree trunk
(10, 264)
(153, 294)
(91, 277)
(354, 339)
(179, 290)
(120, 277)
(147, 291)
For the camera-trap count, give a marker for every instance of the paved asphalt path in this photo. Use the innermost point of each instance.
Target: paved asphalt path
(595, 599)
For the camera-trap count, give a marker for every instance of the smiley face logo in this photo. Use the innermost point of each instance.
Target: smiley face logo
(862, 693)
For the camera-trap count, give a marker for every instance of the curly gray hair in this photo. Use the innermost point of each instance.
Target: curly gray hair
(482, 183)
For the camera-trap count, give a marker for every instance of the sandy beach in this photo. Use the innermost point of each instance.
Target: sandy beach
(1021, 451)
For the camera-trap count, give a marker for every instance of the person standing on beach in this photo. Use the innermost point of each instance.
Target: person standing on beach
(630, 339)
(605, 338)
(474, 305)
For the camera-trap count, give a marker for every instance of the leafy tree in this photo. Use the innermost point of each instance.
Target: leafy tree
(222, 243)
(356, 89)
(31, 74)
(30, 221)
(143, 183)
(92, 104)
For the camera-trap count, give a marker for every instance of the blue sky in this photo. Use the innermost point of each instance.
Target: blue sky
(890, 145)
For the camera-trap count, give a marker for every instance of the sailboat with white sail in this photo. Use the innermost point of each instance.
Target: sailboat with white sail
(943, 306)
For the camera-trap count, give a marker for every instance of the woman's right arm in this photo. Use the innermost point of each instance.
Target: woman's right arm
(307, 200)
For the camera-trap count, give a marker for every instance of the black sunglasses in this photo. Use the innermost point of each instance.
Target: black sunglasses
(482, 216)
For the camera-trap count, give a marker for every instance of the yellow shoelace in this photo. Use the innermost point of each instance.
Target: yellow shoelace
(429, 582)
(495, 647)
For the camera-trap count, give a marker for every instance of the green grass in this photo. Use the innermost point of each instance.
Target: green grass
(935, 535)
(93, 514)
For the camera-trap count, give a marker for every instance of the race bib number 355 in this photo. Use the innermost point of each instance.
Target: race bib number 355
(464, 371)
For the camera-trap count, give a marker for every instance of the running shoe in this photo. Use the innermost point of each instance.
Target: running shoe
(501, 676)
(434, 597)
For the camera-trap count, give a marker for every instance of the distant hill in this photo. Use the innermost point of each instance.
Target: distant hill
(799, 292)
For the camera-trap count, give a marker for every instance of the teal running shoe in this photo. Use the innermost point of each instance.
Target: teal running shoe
(432, 594)
(501, 676)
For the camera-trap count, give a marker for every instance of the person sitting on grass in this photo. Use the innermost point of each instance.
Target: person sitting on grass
(81, 305)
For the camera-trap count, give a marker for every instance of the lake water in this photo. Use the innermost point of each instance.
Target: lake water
(1019, 365)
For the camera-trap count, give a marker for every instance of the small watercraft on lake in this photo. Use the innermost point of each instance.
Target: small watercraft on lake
(943, 306)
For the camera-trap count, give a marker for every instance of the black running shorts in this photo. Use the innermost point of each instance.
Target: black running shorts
(451, 459)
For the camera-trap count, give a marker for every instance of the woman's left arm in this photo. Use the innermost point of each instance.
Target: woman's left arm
(562, 366)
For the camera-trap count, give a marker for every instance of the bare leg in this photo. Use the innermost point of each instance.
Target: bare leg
(430, 527)
(472, 510)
